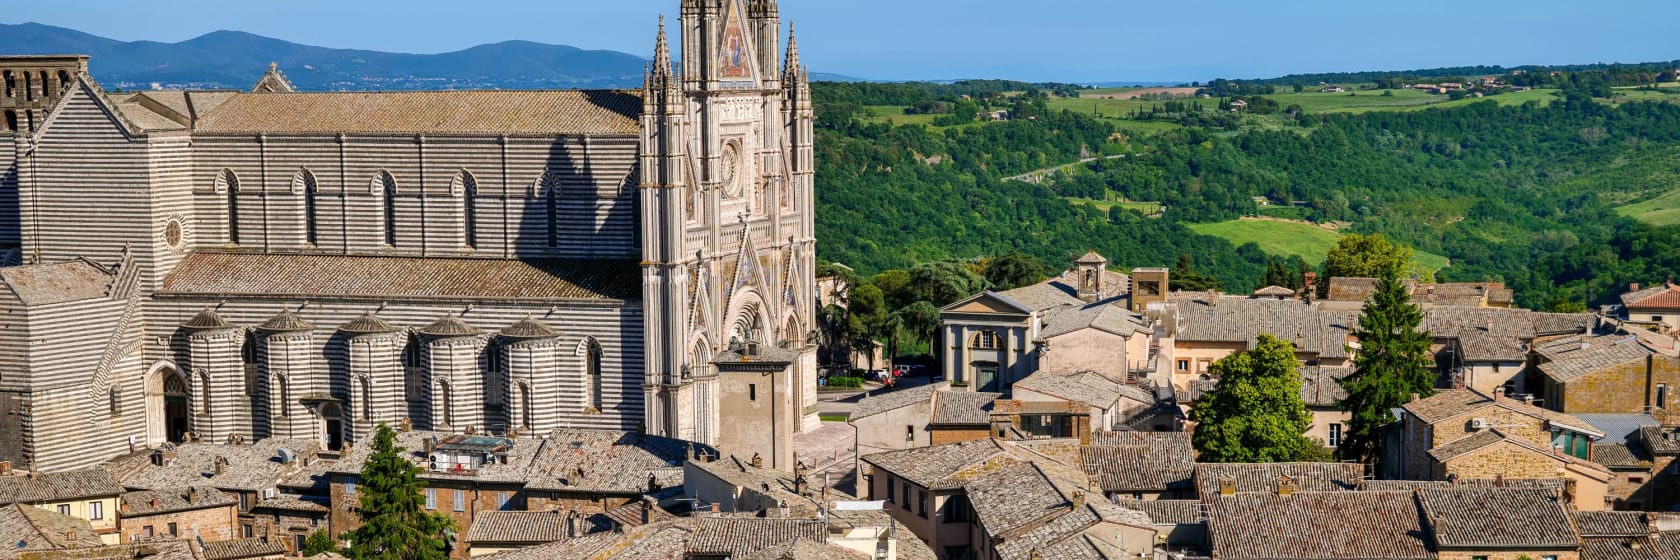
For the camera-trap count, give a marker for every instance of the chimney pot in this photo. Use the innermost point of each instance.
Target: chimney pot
(1078, 499)
(757, 461)
(1528, 400)
(1499, 480)
(1498, 394)
(1634, 287)
(1416, 397)
(5, 468)
(1227, 486)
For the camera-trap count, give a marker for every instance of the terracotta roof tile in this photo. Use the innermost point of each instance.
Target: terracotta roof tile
(559, 112)
(1013, 495)
(46, 284)
(1368, 526)
(28, 528)
(63, 485)
(963, 408)
(249, 467)
(449, 326)
(932, 467)
(893, 400)
(1165, 512)
(742, 535)
(1139, 461)
(1571, 357)
(1660, 297)
(1088, 387)
(1321, 386)
(517, 527)
(1497, 518)
(242, 548)
(1612, 523)
(1312, 329)
(286, 321)
(1621, 548)
(153, 502)
(234, 274)
(611, 461)
(1455, 402)
(1263, 478)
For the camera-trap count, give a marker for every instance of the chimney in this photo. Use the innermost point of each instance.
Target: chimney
(192, 494)
(1499, 480)
(1634, 287)
(5, 468)
(757, 461)
(1227, 486)
(652, 484)
(1557, 450)
(1498, 393)
(1078, 499)
(1452, 479)
(1037, 554)
(717, 507)
(1528, 400)
(429, 445)
(406, 425)
(1311, 279)
(156, 503)
(647, 510)
(221, 465)
(1285, 486)
(1416, 397)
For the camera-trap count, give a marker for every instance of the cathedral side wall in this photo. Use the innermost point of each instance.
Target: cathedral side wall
(85, 190)
(616, 326)
(594, 215)
(9, 234)
(70, 427)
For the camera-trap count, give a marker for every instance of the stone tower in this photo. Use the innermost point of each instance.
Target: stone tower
(726, 182)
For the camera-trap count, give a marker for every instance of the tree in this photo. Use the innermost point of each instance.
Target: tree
(942, 283)
(395, 524)
(1014, 269)
(1365, 256)
(1392, 364)
(922, 320)
(1185, 277)
(1255, 414)
(319, 542)
(865, 317)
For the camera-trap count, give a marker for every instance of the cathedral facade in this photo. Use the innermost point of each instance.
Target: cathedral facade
(232, 266)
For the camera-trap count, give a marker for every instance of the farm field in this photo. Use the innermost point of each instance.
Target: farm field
(1286, 239)
(1660, 211)
(1147, 208)
(1135, 92)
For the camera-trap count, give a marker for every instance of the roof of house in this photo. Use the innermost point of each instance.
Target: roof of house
(1108, 317)
(1612, 523)
(893, 400)
(242, 548)
(1013, 495)
(288, 502)
(1455, 402)
(1620, 456)
(1274, 291)
(1553, 484)
(586, 546)
(806, 549)
(741, 474)
(1088, 387)
(611, 461)
(630, 514)
(932, 467)
(1367, 526)
(1321, 385)
(1312, 329)
(1263, 477)
(1063, 533)
(1351, 288)
(1046, 295)
(153, 502)
(517, 527)
(1166, 512)
(156, 550)
(302, 276)
(1139, 461)
(1497, 518)
(1464, 445)
(1498, 334)
(54, 486)
(1659, 440)
(46, 284)
(519, 459)
(1666, 296)
(32, 528)
(527, 112)
(963, 408)
(738, 536)
(254, 466)
(1571, 357)
(1621, 548)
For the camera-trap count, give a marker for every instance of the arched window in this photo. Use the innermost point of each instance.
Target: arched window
(227, 182)
(592, 357)
(28, 87)
(11, 83)
(986, 340)
(304, 182)
(387, 186)
(248, 359)
(45, 92)
(11, 120)
(63, 81)
(469, 190)
(444, 397)
(525, 406)
(551, 201)
(285, 391)
(204, 393)
(414, 384)
(367, 398)
(495, 384)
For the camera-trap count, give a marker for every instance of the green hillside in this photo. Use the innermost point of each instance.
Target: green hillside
(1290, 239)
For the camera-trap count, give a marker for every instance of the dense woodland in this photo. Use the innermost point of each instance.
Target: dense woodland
(1521, 194)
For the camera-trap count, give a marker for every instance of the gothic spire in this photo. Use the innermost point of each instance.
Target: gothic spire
(793, 68)
(662, 52)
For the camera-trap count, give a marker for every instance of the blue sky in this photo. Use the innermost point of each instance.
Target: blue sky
(1043, 40)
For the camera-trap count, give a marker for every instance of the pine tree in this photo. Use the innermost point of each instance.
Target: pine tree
(319, 542)
(1255, 414)
(1391, 365)
(395, 524)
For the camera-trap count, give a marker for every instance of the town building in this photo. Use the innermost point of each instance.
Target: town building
(195, 512)
(89, 494)
(1657, 307)
(277, 264)
(1604, 374)
(1202, 328)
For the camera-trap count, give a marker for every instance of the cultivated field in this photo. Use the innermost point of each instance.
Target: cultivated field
(1660, 211)
(1147, 208)
(1285, 239)
(1134, 93)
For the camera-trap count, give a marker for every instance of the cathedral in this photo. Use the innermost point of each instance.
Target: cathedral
(228, 266)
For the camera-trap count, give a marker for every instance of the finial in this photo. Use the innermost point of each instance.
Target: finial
(273, 66)
(793, 66)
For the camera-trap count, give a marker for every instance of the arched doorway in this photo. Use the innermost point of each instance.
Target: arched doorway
(168, 405)
(177, 407)
(333, 415)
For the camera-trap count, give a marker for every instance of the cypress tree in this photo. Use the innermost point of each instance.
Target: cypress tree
(1392, 364)
(395, 524)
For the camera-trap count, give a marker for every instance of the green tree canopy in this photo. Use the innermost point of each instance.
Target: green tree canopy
(1255, 414)
(1186, 277)
(319, 542)
(395, 524)
(945, 282)
(1391, 365)
(1365, 256)
(1015, 269)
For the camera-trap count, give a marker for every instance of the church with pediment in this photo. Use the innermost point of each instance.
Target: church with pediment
(232, 266)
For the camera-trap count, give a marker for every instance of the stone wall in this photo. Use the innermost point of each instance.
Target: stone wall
(1611, 390)
(211, 524)
(942, 436)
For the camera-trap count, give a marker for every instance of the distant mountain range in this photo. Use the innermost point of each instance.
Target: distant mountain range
(236, 60)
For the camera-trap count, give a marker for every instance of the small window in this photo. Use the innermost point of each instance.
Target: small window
(906, 489)
(1636, 479)
(890, 487)
(146, 532)
(64, 509)
(1478, 558)
(175, 530)
(1662, 395)
(431, 498)
(752, 392)
(502, 500)
(350, 488)
(921, 503)
(1184, 365)
(460, 500)
(1335, 436)
(1656, 318)
(96, 511)
(245, 529)
(909, 433)
(244, 502)
(986, 340)
(957, 509)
